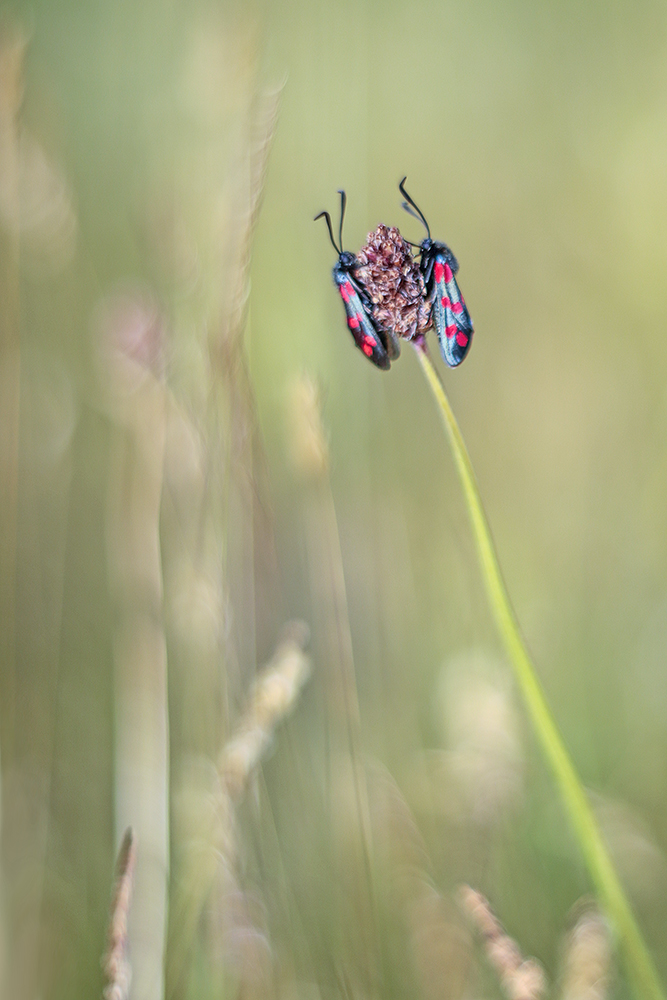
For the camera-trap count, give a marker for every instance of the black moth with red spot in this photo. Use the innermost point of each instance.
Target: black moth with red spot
(379, 346)
(438, 266)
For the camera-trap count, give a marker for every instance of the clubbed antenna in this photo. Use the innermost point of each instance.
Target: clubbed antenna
(343, 203)
(331, 236)
(412, 208)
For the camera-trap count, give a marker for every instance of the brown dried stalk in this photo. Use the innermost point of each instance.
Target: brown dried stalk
(115, 961)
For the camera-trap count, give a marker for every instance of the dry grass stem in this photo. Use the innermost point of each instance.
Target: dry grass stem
(441, 947)
(332, 625)
(587, 959)
(263, 125)
(247, 528)
(521, 979)
(115, 962)
(439, 941)
(272, 697)
(484, 760)
(209, 870)
(130, 344)
(222, 562)
(309, 448)
(12, 55)
(234, 914)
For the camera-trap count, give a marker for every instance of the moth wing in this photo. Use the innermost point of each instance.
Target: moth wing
(393, 344)
(451, 318)
(367, 336)
(390, 341)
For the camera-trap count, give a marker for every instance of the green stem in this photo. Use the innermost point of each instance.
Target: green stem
(639, 964)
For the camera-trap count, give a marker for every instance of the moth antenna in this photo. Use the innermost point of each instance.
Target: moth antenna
(418, 214)
(331, 235)
(411, 211)
(343, 204)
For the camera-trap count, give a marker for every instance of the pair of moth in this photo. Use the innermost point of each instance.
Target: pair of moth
(438, 267)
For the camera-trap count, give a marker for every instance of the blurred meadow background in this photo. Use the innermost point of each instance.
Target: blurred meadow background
(241, 607)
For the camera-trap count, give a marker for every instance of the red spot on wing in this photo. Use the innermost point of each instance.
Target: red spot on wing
(438, 271)
(347, 291)
(457, 308)
(353, 322)
(451, 330)
(368, 346)
(448, 273)
(446, 302)
(461, 338)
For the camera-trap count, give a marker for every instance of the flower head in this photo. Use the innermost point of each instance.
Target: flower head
(394, 283)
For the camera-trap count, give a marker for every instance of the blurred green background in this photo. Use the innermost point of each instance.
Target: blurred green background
(143, 381)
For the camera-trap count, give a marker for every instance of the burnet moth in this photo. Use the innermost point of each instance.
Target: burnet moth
(378, 345)
(438, 266)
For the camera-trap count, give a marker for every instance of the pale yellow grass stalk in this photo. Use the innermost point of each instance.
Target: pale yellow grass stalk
(521, 979)
(272, 697)
(587, 959)
(12, 52)
(310, 455)
(213, 849)
(215, 503)
(116, 960)
(439, 940)
(130, 343)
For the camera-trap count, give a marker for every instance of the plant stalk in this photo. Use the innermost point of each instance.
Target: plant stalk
(639, 964)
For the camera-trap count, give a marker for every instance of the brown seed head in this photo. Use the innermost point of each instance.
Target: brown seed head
(394, 283)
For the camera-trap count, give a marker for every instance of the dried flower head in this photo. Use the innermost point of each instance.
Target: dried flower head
(394, 283)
